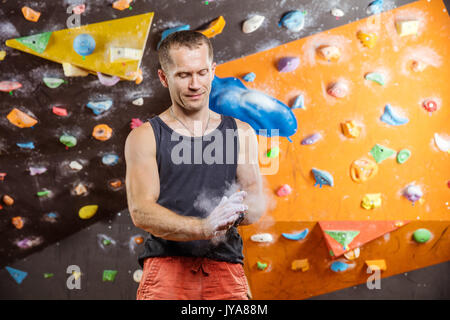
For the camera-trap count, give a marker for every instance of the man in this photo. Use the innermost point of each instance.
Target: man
(191, 207)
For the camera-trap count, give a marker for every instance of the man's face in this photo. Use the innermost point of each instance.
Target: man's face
(189, 77)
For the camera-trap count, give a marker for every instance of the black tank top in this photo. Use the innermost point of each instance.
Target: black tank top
(190, 185)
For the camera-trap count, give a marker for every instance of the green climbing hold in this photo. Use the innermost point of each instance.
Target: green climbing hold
(53, 82)
(37, 42)
(422, 235)
(43, 193)
(109, 275)
(68, 140)
(261, 266)
(381, 153)
(403, 155)
(273, 152)
(106, 242)
(331, 253)
(375, 77)
(48, 275)
(344, 237)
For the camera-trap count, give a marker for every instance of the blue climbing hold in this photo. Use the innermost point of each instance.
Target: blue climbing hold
(172, 30)
(249, 77)
(375, 7)
(84, 44)
(391, 118)
(293, 20)
(110, 159)
(18, 275)
(265, 114)
(299, 103)
(25, 145)
(339, 266)
(100, 107)
(322, 177)
(296, 236)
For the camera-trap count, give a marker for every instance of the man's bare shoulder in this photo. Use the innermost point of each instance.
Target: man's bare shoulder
(141, 139)
(242, 125)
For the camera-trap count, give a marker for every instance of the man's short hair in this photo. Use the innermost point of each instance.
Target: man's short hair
(186, 38)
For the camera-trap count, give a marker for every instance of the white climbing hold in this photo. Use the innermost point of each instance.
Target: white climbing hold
(335, 12)
(74, 165)
(138, 102)
(262, 237)
(442, 143)
(252, 24)
(137, 275)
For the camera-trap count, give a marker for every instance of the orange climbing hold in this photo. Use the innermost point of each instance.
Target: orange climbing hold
(20, 119)
(138, 240)
(214, 28)
(102, 132)
(139, 77)
(30, 14)
(121, 4)
(302, 264)
(17, 222)
(363, 169)
(8, 200)
(116, 183)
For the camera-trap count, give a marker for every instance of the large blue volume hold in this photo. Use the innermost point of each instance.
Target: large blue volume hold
(265, 114)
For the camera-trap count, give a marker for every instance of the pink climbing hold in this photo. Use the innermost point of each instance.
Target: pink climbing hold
(135, 122)
(79, 9)
(59, 111)
(284, 190)
(338, 89)
(8, 86)
(288, 64)
(107, 81)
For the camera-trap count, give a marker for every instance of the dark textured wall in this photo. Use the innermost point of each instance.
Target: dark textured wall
(61, 244)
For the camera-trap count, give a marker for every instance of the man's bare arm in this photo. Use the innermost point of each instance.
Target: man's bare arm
(143, 186)
(249, 175)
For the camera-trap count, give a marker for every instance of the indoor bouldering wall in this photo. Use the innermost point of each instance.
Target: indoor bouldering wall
(369, 97)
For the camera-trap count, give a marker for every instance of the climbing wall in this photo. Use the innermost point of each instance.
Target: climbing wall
(62, 137)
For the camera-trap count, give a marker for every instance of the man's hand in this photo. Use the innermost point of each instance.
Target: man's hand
(225, 214)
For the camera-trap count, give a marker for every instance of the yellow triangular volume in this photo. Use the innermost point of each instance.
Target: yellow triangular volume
(131, 32)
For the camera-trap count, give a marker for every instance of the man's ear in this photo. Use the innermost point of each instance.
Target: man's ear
(213, 68)
(162, 78)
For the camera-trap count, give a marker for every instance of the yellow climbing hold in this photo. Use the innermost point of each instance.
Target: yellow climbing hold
(352, 254)
(302, 264)
(407, 27)
(2, 55)
(72, 71)
(367, 39)
(376, 264)
(88, 212)
(20, 119)
(214, 28)
(351, 129)
(371, 201)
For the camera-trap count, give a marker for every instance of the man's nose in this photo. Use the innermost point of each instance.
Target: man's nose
(194, 84)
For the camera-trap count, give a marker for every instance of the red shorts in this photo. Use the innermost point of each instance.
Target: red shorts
(190, 278)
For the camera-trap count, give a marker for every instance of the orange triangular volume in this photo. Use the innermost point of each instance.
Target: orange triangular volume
(368, 231)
